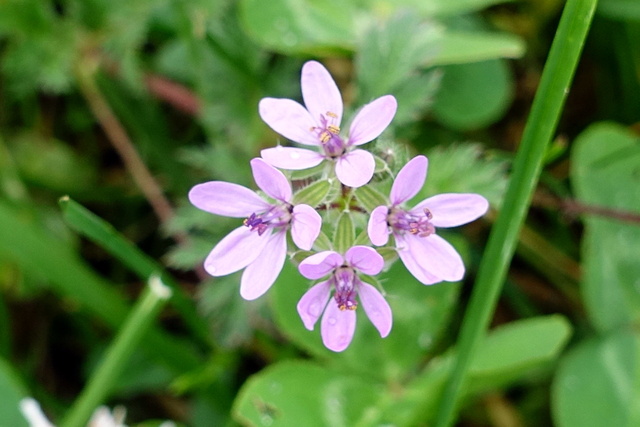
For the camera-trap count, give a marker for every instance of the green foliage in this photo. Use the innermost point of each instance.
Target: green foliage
(605, 175)
(12, 391)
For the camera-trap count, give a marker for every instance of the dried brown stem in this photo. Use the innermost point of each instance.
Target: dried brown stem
(118, 137)
(573, 208)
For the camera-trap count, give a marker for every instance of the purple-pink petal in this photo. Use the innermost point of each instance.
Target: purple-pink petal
(289, 119)
(377, 228)
(337, 327)
(264, 270)
(409, 181)
(291, 158)
(226, 199)
(372, 120)
(355, 168)
(437, 257)
(271, 180)
(454, 209)
(376, 308)
(364, 259)
(320, 264)
(313, 302)
(305, 226)
(235, 251)
(415, 268)
(320, 92)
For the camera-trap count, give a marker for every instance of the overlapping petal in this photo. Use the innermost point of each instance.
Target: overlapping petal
(291, 158)
(271, 180)
(320, 264)
(226, 199)
(355, 168)
(337, 327)
(320, 92)
(437, 256)
(235, 251)
(365, 259)
(372, 120)
(454, 209)
(263, 271)
(305, 226)
(376, 308)
(313, 303)
(289, 119)
(377, 228)
(412, 264)
(409, 180)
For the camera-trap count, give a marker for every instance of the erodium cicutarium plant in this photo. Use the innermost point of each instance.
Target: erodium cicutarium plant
(333, 200)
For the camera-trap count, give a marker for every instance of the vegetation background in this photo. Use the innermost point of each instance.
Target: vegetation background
(110, 111)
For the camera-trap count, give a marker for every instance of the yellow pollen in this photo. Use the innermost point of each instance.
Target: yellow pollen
(332, 115)
(325, 137)
(333, 129)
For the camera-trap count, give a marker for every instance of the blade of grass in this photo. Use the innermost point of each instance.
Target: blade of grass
(25, 242)
(547, 105)
(119, 352)
(103, 234)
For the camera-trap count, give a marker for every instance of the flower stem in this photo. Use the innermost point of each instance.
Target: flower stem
(118, 353)
(541, 125)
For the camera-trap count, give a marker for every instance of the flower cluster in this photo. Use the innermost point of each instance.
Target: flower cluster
(259, 244)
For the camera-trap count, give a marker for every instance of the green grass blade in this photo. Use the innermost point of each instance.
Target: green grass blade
(117, 355)
(541, 125)
(103, 234)
(26, 243)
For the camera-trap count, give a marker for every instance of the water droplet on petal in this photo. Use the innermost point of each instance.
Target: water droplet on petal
(294, 155)
(332, 321)
(314, 309)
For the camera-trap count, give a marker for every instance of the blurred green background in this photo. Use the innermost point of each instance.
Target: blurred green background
(124, 105)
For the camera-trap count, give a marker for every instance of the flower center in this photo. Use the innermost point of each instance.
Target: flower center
(277, 216)
(344, 280)
(418, 224)
(328, 134)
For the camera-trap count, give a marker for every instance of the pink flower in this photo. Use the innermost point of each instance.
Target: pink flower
(339, 320)
(260, 243)
(319, 125)
(429, 257)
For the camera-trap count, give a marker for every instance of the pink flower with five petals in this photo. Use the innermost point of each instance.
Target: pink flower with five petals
(339, 320)
(429, 257)
(319, 125)
(259, 245)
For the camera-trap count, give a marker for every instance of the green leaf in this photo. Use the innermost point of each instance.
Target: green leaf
(598, 383)
(313, 194)
(299, 26)
(12, 391)
(625, 10)
(605, 175)
(432, 8)
(473, 96)
(391, 52)
(304, 394)
(458, 47)
(370, 198)
(345, 233)
(507, 354)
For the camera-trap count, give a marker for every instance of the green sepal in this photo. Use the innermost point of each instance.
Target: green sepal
(345, 233)
(322, 243)
(313, 194)
(370, 198)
